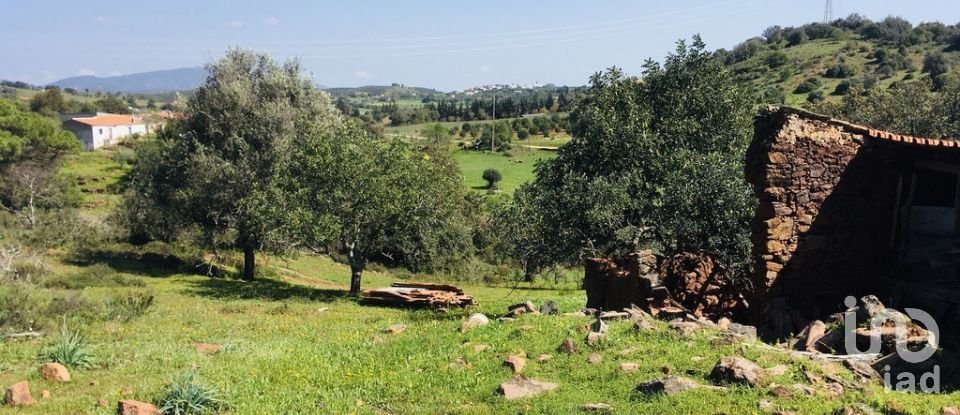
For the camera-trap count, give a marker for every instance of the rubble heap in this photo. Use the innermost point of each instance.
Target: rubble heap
(417, 294)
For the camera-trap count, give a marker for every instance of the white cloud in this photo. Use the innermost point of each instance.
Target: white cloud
(86, 71)
(485, 68)
(362, 74)
(101, 20)
(271, 21)
(236, 24)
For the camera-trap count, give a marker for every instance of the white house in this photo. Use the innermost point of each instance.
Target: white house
(103, 129)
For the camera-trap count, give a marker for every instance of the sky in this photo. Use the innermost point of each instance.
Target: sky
(443, 44)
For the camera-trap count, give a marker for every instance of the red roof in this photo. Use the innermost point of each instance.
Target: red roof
(108, 119)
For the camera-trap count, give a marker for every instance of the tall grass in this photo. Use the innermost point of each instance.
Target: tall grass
(71, 349)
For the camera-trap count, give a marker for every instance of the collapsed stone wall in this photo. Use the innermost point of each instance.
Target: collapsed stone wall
(823, 223)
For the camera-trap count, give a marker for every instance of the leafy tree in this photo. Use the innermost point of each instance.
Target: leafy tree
(113, 104)
(936, 64)
(378, 200)
(219, 169)
(492, 176)
(807, 86)
(776, 59)
(840, 71)
(436, 133)
(50, 101)
(643, 151)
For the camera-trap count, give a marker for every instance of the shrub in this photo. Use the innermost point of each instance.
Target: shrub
(492, 176)
(129, 307)
(19, 308)
(71, 349)
(776, 59)
(840, 70)
(815, 96)
(188, 395)
(843, 87)
(810, 85)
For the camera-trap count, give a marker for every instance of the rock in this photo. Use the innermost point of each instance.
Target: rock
(102, 403)
(568, 346)
(458, 363)
(685, 328)
(629, 367)
(863, 371)
(54, 372)
(596, 407)
(723, 323)
(781, 391)
(949, 410)
(544, 357)
(737, 370)
(595, 358)
(777, 370)
(643, 325)
(530, 306)
(833, 389)
(475, 320)
(813, 333)
(549, 308)
(521, 387)
(480, 347)
(669, 385)
(131, 407)
(764, 405)
(748, 333)
(515, 363)
(598, 326)
(44, 394)
(208, 348)
(614, 315)
(395, 329)
(19, 394)
(594, 338)
(804, 389)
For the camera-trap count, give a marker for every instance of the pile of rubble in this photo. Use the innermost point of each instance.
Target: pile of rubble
(685, 283)
(417, 294)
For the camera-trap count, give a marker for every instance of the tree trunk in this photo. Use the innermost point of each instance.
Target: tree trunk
(356, 271)
(249, 263)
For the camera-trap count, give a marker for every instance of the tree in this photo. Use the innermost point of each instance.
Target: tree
(436, 133)
(936, 64)
(219, 169)
(492, 176)
(113, 104)
(49, 101)
(642, 152)
(368, 199)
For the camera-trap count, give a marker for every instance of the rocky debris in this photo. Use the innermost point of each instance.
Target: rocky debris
(595, 358)
(778, 370)
(781, 391)
(743, 331)
(685, 328)
(208, 348)
(527, 307)
(809, 336)
(737, 370)
(549, 308)
(544, 358)
(596, 407)
(19, 394)
(415, 294)
(804, 389)
(856, 409)
(949, 410)
(480, 347)
(54, 372)
(833, 389)
(521, 387)
(458, 363)
(629, 367)
(44, 394)
(701, 286)
(132, 407)
(568, 346)
(863, 371)
(395, 329)
(515, 363)
(670, 385)
(594, 338)
(723, 323)
(643, 325)
(614, 315)
(475, 320)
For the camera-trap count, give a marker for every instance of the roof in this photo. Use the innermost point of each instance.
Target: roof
(108, 119)
(874, 133)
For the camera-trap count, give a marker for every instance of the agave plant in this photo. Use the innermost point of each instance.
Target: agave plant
(188, 395)
(71, 349)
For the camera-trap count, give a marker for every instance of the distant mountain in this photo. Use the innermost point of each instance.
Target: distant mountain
(182, 79)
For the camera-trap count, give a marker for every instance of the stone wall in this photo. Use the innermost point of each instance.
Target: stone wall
(823, 225)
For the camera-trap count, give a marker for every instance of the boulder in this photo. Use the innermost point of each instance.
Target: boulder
(737, 370)
(132, 407)
(595, 358)
(594, 338)
(629, 367)
(19, 394)
(549, 308)
(54, 372)
(475, 320)
(515, 363)
(669, 385)
(596, 407)
(747, 333)
(521, 387)
(395, 329)
(568, 346)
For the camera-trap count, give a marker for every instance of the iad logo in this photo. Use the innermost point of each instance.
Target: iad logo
(906, 381)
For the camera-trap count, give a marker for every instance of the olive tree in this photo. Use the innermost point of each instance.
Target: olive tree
(370, 199)
(218, 170)
(654, 162)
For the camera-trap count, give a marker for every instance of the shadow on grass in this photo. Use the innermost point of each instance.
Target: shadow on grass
(148, 264)
(262, 289)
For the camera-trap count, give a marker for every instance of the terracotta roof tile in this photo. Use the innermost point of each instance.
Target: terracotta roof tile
(872, 133)
(108, 119)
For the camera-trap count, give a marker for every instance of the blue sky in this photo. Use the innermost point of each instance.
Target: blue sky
(443, 44)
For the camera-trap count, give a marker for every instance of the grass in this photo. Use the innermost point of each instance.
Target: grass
(516, 170)
(299, 345)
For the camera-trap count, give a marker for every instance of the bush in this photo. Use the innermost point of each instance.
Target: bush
(839, 71)
(71, 350)
(492, 176)
(809, 85)
(129, 307)
(843, 87)
(20, 310)
(815, 96)
(188, 395)
(776, 59)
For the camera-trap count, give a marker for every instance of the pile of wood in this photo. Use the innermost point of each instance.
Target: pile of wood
(417, 294)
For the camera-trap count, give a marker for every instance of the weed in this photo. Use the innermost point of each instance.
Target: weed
(129, 307)
(98, 275)
(71, 349)
(188, 395)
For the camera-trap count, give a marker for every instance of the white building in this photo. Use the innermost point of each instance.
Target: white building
(103, 129)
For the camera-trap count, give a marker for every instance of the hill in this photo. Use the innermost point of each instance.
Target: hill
(182, 79)
(394, 91)
(816, 62)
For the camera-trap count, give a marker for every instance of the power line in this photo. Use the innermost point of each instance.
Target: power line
(828, 12)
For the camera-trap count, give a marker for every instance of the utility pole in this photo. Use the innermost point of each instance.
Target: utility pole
(493, 135)
(828, 12)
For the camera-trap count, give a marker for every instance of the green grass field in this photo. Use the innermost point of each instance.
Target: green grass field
(516, 170)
